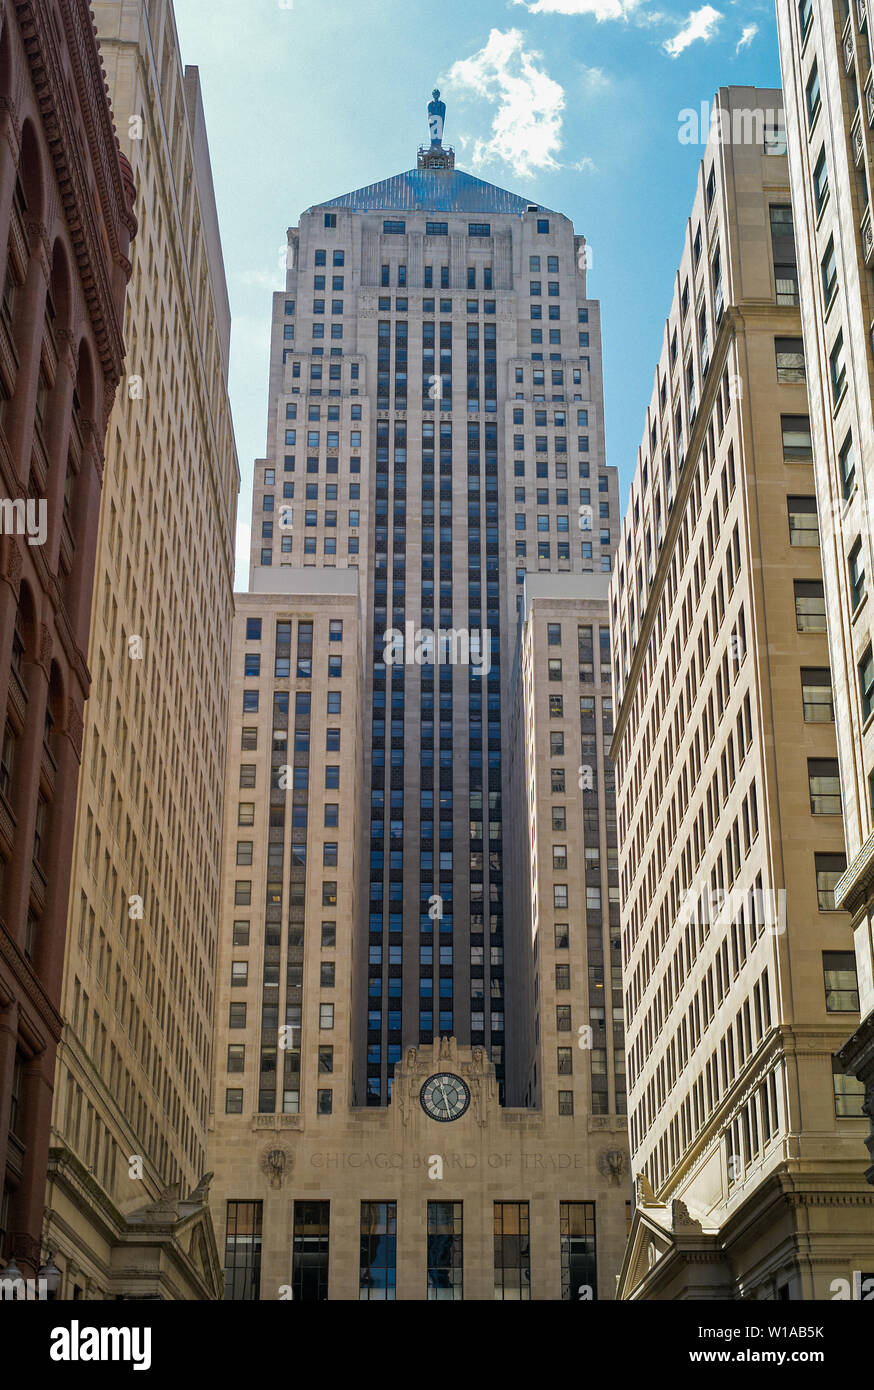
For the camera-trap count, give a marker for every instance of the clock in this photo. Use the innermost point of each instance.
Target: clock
(444, 1096)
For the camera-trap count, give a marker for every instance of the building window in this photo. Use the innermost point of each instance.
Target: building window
(825, 786)
(578, 1258)
(309, 1263)
(512, 1252)
(783, 247)
(394, 228)
(829, 868)
(841, 983)
(838, 368)
(847, 464)
(797, 444)
(445, 1251)
(790, 359)
(829, 268)
(233, 1101)
(775, 136)
(809, 605)
(803, 521)
(816, 695)
(820, 181)
(813, 95)
(565, 1102)
(856, 567)
(377, 1278)
(849, 1093)
(866, 682)
(243, 1251)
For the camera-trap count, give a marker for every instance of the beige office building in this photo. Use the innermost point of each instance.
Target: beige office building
(126, 1208)
(829, 94)
(738, 967)
(418, 1090)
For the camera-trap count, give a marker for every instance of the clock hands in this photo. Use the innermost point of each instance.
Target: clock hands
(445, 1097)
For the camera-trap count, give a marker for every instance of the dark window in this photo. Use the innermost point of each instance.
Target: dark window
(579, 1278)
(377, 1279)
(243, 1250)
(309, 1265)
(445, 1251)
(512, 1252)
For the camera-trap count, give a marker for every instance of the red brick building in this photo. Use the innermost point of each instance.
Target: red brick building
(66, 223)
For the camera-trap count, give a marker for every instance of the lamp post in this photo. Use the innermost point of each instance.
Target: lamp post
(51, 1275)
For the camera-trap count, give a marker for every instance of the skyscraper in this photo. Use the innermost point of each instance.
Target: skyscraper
(418, 1090)
(66, 223)
(738, 964)
(126, 1209)
(829, 88)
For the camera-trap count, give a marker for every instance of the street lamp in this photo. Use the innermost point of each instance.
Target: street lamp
(52, 1276)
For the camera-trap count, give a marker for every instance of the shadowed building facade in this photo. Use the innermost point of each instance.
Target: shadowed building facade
(386, 1122)
(126, 1199)
(737, 960)
(66, 222)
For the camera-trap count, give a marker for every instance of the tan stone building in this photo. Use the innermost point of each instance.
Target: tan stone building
(829, 89)
(126, 1212)
(393, 1115)
(737, 961)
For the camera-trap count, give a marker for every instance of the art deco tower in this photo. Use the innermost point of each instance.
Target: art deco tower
(435, 442)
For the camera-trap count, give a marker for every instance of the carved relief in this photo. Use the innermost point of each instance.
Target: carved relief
(612, 1164)
(46, 645)
(12, 562)
(11, 127)
(276, 1163)
(75, 727)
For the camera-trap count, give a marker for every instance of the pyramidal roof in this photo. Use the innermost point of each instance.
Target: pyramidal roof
(432, 190)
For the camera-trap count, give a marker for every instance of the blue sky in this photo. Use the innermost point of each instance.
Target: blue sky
(573, 103)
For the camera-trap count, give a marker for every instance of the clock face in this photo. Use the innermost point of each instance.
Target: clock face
(444, 1096)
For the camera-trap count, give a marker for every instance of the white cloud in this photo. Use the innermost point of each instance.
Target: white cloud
(701, 24)
(747, 37)
(601, 9)
(526, 130)
(595, 80)
(586, 165)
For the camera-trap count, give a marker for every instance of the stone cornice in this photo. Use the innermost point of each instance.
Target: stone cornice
(38, 33)
(856, 884)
